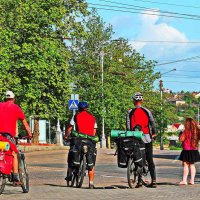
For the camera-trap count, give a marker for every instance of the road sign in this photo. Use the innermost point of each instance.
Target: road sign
(73, 104)
(74, 96)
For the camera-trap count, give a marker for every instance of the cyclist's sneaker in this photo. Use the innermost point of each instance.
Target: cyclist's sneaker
(139, 185)
(153, 184)
(91, 186)
(17, 182)
(68, 178)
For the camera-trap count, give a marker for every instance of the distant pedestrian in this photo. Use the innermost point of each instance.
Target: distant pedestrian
(190, 138)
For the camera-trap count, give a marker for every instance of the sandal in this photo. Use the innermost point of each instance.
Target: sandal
(183, 183)
(191, 183)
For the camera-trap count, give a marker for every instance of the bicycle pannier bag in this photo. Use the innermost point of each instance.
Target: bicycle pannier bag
(91, 158)
(76, 156)
(121, 158)
(6, 161)
(139, 156)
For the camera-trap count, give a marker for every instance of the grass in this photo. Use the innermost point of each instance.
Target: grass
(175, 148)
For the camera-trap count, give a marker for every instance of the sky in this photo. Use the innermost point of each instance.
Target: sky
(167, 31)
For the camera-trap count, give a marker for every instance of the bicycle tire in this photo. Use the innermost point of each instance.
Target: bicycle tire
(74, 175)
(146, 177)
(81, 172)
(70, 180)
(2, 183)
(131, 174)
(23, 173)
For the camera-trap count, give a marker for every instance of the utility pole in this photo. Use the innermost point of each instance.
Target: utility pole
(198, 114)
(161, 108)
(103, 139)
(161, 118)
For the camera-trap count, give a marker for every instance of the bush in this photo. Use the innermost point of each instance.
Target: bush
(175, 148)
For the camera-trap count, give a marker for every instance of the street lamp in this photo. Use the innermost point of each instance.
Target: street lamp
(161, 107)
(198, 114)
(103, 139)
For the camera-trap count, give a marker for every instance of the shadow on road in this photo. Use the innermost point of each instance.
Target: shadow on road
(171, 157)
(166, 183)
(54, 185)
(113, 187)
(106, 187)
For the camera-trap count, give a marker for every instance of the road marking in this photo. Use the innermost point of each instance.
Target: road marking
(107, 176)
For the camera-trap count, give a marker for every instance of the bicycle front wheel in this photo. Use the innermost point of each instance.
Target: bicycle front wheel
(81, 172)
(2, 183)
(23, 174)
(131, 174)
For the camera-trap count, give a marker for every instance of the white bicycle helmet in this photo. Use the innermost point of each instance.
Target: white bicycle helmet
(138, 96)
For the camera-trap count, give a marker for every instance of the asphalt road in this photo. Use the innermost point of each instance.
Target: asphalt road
(47, 170)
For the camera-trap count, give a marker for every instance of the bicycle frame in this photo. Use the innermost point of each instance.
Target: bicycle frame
(6, 165)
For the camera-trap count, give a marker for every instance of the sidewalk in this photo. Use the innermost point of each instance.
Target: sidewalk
(29, 148)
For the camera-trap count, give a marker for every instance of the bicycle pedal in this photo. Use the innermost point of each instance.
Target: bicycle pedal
(17, 183)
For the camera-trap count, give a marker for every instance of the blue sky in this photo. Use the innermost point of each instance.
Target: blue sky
(159, 37)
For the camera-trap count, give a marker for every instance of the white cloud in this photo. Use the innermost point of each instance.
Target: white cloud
(151, 30)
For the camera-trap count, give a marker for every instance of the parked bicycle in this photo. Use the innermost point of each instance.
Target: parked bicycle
(83, 153)
(79, 172)
(6, 175)
(131, 155)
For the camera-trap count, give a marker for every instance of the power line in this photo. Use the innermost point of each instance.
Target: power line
(181, 60)
(181, 76)
(195, 61)
(143, 8)
(162, 41)
(182, 82)
(187, 71)
(180, 71)
(169, 4)
(145, 13)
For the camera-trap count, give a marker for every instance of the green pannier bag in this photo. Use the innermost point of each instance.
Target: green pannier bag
(121, 133)
(81, 135)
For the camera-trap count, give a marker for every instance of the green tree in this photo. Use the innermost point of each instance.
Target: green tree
(125, 72)
(33, 53)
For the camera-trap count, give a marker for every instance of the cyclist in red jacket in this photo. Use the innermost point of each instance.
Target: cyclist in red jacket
(85, 123)
(142, 117)
(10, 113)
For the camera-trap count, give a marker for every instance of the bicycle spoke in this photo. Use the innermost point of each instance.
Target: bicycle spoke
(2, 183)
(131, 174)
(23, 175)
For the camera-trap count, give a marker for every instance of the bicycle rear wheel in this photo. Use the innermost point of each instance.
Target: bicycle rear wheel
(146, 178)
(131, 174)
(2, 183)
(23, 173)
(73, 178)
(81, 172)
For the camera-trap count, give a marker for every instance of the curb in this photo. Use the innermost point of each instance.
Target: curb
(42, 148)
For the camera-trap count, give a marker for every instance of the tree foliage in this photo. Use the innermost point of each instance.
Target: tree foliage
(33, 52)
(124, 72)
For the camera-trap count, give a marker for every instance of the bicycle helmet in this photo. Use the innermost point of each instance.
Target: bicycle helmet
(138, 96)
(9, 95)
(82, 105)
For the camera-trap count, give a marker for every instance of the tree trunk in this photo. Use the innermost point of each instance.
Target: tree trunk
(36, 130)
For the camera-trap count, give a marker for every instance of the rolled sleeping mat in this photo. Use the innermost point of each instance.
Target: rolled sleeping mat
(77, 134)
(4, 146)
(122, 133)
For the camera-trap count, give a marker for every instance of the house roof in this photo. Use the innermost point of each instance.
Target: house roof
(177, 125)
